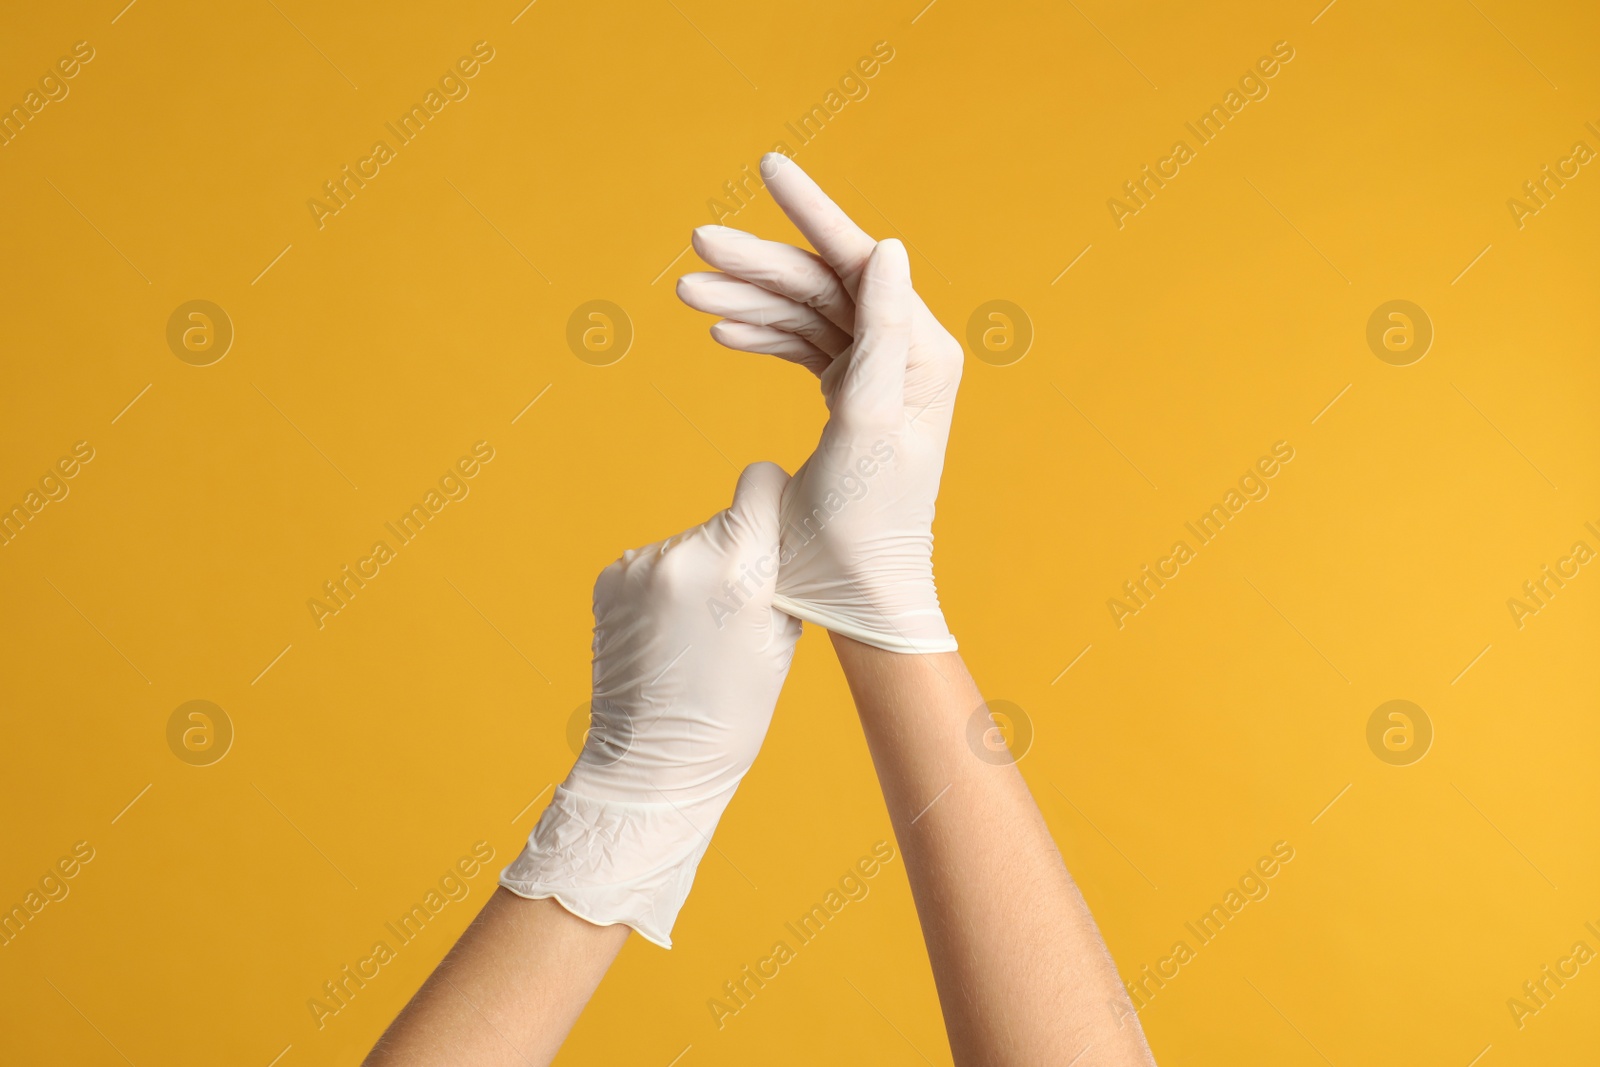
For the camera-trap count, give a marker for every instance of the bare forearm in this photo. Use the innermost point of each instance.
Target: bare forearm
(508, 992)
(1022, 972)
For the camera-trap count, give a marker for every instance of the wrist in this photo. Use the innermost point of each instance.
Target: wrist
(609, 860)
(905, 619)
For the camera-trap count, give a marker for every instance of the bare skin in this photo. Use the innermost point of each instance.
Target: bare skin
(508, 992)
(1022, 973)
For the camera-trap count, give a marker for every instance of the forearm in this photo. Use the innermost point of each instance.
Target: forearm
(508, 992)
(681, 702)
(1022, 972)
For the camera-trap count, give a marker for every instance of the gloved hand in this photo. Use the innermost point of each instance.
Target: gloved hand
(689, 656)
(858, 516)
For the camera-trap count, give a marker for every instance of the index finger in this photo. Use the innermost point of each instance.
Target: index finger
(842, 244)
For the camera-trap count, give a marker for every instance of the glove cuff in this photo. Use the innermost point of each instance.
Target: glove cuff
(920, 635)
(612, 861)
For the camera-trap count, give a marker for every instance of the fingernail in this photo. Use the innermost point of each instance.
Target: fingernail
(721, 231)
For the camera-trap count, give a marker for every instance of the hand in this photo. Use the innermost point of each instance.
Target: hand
(857, 534)
(689, 656)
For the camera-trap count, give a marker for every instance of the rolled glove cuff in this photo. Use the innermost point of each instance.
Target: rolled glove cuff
(920, 634)
(612, 861)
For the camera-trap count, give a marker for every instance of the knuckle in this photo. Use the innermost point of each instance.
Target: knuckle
(609, 581)
(672, 574)
(823, 289)
(810, 327)
(830, 229)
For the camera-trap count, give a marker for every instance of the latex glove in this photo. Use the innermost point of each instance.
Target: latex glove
(858, 516)
(689, 656)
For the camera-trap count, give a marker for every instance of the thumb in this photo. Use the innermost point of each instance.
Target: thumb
(874, 381)
(752, 519)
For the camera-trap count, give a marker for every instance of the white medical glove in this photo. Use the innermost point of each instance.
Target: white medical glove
(858, 516)
(689, 656)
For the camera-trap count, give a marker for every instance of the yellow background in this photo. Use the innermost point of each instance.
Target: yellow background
(427, 314)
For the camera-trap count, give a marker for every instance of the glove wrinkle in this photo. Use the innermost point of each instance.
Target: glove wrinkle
(680, 702)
